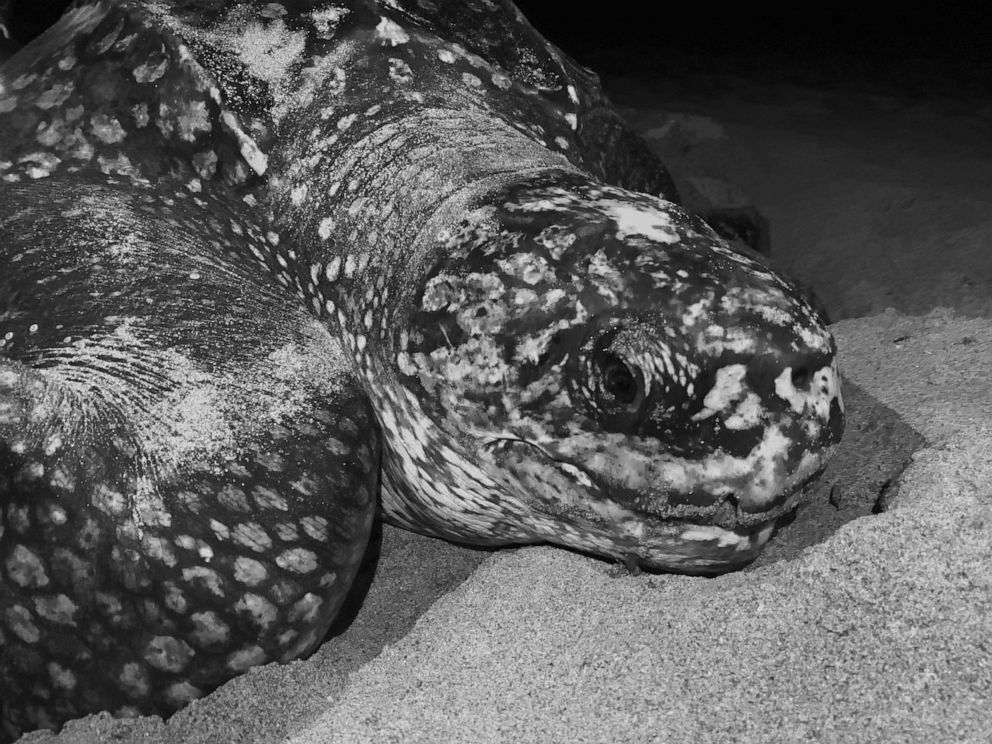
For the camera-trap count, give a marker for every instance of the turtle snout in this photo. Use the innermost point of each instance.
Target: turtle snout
(766, 371)
(805, 384)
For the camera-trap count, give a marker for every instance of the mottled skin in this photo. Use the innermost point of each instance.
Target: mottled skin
(241, 248)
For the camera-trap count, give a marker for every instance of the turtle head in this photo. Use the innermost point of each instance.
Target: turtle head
(625, 382)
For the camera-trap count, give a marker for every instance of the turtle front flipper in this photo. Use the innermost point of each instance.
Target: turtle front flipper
(187, 468)
(187, 481)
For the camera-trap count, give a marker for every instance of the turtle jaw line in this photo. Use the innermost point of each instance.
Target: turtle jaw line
(725, 512)
(748, 521)
(791, 499)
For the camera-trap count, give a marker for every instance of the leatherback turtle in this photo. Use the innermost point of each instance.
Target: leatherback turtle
(262, 265)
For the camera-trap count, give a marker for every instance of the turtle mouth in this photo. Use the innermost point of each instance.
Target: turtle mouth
(729, 513)
(725, 510)
(583, 510)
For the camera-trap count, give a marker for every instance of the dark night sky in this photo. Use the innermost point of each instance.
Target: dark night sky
(918, 49)
(925, 49)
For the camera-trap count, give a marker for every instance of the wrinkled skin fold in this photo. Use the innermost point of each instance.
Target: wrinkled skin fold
(260, 270)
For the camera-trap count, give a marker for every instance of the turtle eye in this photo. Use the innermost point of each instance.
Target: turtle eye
(619, 381)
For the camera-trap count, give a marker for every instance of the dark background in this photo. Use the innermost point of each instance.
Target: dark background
(918, 49)
(921, 49)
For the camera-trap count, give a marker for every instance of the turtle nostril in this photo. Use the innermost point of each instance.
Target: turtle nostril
(765, 373)
(801, 378)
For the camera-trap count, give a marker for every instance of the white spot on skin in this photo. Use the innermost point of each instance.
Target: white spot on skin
(273, 11)
(250, 572)
(58, 609)
(182, 693)
(325, 227)
(54, 96)
(390, 32)
(529, 267)
(209, 629)
(728, 388)
(133, 679)
(580, 477)
(399, 71)
(121, 165)
(140, 113)
(748, 414)
(337, 81)
(298, 560)
(256, 159)
(206, 578)
(61, 677)
(149, 73)
(326, 20)
(446, 56)
(23, 81)
(52, 134)
(245, 659)
(262, 612)
(167, 654)
(45, 164)
(637, 219)
(305, 609)
(315, 527)
(266, 498)
(21, 624)
(193, 117)
(251, 535)
(730, 395)
(724, 538)
(25, 568)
